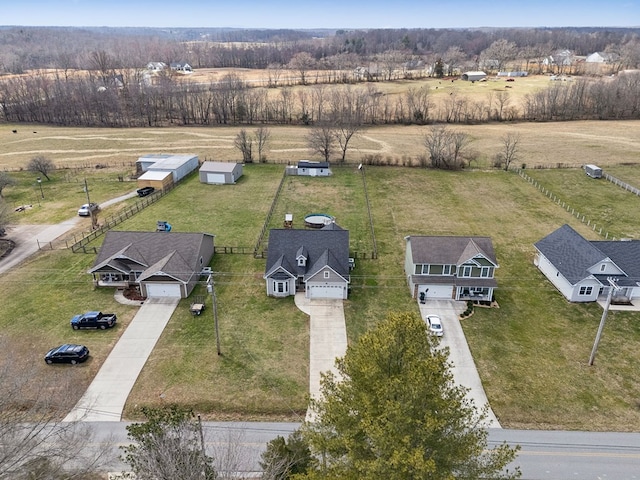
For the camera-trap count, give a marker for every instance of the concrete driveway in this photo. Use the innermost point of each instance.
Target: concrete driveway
(464, 368)
(105, 398)
(29, 238)
(327, 337)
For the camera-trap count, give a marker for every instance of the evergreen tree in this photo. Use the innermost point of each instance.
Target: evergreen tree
(394, 412)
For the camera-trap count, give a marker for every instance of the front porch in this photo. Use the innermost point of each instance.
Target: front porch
(475, 294)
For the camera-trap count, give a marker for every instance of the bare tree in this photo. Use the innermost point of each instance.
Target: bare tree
(263, 135)
(5, 181)
(34, 443)
(274, 72)
(509, 150)
(302, 62)
(244, 143)
(498, 54)
(445, 147)
(322, 140)
(41, 165)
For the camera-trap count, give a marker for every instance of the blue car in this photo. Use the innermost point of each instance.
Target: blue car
(67, 353)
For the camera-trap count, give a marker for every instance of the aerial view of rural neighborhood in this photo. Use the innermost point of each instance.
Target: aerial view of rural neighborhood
(319, 253)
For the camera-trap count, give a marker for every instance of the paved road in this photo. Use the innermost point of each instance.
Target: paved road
(544, 455)
(105, 398)
(464, 368)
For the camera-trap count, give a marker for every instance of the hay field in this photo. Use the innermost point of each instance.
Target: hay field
(542, 144)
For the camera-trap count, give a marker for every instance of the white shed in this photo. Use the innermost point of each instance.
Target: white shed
(179, 165)
(220, 173)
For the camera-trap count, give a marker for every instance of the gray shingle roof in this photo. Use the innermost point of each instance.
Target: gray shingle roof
(573, 255)
(322, 247)
(448, 250)
(176, 254)
(625, 254)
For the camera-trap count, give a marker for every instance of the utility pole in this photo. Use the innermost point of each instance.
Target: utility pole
(212, 291)
(94, 221)
(603, 319)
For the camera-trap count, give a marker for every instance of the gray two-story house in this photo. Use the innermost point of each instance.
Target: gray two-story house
(447, 267)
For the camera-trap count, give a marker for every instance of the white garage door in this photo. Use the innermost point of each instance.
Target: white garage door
(215, 177)
(325, 291)
(437, 291)
(163, 290)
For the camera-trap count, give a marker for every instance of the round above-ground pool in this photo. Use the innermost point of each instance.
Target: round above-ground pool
(318, 220)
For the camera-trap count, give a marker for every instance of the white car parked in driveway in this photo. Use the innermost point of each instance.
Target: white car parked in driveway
(435, 325)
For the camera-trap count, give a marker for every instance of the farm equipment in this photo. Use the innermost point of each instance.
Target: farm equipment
(197, 306)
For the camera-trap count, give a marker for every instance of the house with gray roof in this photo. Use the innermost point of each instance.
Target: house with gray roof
(450, 267)
(580, 269)
(314, 261)
(161, 264)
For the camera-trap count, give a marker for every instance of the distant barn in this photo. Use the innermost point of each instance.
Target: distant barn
(473, 76)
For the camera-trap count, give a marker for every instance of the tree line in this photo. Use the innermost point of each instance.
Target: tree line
(123, 99)
(35, 48)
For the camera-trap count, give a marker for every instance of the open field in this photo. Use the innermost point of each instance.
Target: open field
(532, 352)
(542, 144)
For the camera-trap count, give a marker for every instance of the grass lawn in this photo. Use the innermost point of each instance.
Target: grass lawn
(532, 352)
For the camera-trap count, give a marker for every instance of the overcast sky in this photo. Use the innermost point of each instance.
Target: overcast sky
(322, 13)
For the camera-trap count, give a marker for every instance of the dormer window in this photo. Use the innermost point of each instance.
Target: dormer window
(302, 261)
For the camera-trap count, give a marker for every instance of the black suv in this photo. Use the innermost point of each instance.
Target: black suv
(144, 191)
(67, 353)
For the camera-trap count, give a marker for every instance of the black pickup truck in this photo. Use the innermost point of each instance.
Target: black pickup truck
(94, 320)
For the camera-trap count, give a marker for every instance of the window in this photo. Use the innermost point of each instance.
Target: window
(302, 261)
(485, 272)
(585, 291)
(466, 271)
(327, 274)
(602, 267)
(436, 269)
(281, 287)
(446, 270)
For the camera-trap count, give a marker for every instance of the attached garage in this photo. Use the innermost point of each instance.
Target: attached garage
(436, 291)
(327, 291)
(163, 290)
